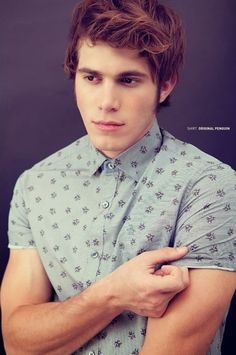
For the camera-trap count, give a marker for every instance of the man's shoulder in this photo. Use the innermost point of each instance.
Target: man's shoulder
(191, 158)
(68, 155)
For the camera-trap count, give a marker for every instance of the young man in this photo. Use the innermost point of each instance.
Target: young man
(90, 226)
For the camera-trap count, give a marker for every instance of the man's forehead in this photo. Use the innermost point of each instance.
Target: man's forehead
(101, 54)
(102, 46)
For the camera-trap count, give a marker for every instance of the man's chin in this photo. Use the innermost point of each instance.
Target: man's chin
(109, 151)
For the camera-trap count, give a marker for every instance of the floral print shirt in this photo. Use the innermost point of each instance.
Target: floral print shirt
(87, 214)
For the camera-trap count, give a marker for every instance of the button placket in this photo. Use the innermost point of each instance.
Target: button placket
(105, 204)
(110, 165)
(95, 254)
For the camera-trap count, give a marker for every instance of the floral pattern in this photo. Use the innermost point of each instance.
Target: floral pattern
(87, 214)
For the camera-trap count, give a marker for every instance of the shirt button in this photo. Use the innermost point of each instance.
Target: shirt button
(91, 353)
(111, 166)
(94, 254)
(105, 204)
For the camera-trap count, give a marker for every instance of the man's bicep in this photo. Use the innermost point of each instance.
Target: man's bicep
(206, 222)
(193, 317)
(25, 281)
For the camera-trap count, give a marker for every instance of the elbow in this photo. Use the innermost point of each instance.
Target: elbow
(12, 349)
(11, 345)
(14, 344)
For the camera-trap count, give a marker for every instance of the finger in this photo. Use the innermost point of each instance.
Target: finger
(159, 272)
(171, 270)
(185, 274)
(176, 271)
(164, 255)
(172, 282)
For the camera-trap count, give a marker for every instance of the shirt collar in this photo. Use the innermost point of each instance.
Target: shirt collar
(135, 159)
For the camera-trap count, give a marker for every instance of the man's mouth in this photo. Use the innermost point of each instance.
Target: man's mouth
(108, 125)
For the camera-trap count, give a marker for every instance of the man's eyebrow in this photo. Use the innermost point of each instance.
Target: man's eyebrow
(132, 73)
(89, 71)
(135, 73)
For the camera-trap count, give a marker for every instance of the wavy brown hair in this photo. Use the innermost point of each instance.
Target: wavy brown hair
(153, 29)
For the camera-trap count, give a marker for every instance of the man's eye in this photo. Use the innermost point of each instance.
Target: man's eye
(129, 81)
(90, 77)
(93, 79)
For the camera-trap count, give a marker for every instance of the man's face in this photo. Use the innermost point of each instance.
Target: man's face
(116, 96)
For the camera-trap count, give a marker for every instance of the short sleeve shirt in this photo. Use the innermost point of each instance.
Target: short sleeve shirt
(87, 214)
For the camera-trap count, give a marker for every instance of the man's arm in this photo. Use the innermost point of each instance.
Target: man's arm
(193, 316)
(34, 325)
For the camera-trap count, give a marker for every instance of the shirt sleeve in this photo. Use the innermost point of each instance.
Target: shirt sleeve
(19, 231)
(207, 221)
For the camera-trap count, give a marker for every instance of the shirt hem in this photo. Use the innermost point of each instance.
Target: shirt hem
(10, 246)
(208, 267)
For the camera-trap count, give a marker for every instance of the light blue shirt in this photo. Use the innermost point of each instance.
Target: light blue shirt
(87, 214)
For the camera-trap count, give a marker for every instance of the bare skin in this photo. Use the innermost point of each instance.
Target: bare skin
(34, 325)
(193, 316)
(119, 90)
(110, 100)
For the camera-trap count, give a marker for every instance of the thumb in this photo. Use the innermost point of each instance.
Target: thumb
(165, 254)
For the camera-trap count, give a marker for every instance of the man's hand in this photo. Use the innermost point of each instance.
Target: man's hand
(138, 287)
(63, 327)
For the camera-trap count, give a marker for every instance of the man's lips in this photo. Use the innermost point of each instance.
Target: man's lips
(108, 125)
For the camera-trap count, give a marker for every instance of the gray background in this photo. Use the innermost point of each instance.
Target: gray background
(37, 111)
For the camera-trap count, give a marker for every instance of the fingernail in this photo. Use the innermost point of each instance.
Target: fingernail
(185, 249)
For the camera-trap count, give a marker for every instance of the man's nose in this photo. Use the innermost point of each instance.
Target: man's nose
(109, 100)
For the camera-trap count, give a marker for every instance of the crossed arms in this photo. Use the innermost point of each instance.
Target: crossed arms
(34, 325)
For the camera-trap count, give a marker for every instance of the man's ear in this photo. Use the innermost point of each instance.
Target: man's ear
(167, 88)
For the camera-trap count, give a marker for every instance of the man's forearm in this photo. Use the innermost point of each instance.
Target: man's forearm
(32, 326)
(60, 327)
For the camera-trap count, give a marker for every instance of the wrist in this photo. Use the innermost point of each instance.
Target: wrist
(111, 294)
